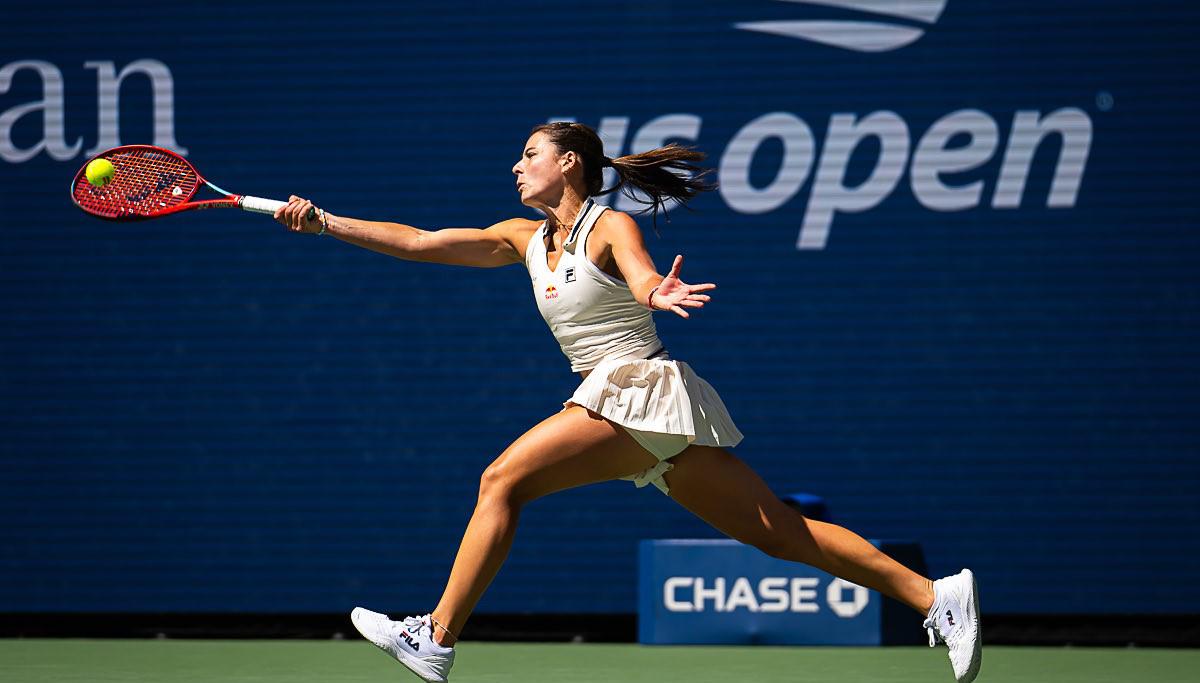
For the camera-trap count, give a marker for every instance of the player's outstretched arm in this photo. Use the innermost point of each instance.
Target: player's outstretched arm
(481, 248)
(648, 287)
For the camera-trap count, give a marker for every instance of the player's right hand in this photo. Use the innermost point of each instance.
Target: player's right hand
(673, 294)
(294, 215)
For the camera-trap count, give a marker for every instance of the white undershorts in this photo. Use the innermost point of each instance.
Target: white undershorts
(663, 404)
(662, 446)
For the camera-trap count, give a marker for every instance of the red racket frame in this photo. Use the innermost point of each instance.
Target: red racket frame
(170, 202)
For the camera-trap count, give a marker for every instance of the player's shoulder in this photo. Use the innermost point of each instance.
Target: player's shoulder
(516, 226)
(615, 225)
(517, 232)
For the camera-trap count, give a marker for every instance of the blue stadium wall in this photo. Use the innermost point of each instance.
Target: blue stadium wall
(956, 258)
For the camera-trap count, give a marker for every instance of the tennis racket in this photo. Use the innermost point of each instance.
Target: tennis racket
(150, 182)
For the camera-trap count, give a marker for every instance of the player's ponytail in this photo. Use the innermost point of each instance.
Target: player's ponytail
(651, 178)
(661, 174)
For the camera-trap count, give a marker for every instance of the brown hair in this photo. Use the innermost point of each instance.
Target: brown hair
(661, 174)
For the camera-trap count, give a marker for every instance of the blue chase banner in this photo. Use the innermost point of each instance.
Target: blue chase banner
(721, 592)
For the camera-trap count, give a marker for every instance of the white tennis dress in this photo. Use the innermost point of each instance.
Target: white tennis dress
(661, 402)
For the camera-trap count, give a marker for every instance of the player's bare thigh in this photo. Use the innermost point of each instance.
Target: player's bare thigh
(718, 487)
(571, 448)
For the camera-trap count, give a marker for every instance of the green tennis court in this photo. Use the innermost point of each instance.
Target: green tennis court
(205, 661)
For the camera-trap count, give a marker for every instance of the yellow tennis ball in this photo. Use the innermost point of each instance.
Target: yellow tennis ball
(99, 172)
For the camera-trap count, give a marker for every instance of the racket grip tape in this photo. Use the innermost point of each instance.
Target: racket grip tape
(268, 206)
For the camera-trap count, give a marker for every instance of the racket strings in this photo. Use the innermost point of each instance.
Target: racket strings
(145, 181)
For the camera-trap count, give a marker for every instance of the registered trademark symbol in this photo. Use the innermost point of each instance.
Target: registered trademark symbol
(1104, 100)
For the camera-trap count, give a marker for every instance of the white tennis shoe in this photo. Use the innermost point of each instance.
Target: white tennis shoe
(409, 641)
(954, 620)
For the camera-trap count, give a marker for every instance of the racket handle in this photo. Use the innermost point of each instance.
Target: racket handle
(268, 206)
(260, 205)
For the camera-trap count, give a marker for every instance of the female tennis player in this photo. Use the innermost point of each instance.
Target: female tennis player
(638, 414)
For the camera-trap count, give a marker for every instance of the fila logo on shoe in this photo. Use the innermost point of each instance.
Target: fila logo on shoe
(949, 618)
(411, 642)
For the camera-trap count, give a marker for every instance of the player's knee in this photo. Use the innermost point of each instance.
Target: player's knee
(495, 484)
(499, 484)
(781, 535)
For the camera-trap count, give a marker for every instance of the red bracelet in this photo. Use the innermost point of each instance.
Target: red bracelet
(650, 298)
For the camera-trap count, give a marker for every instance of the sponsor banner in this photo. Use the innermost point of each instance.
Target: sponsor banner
(721, 591)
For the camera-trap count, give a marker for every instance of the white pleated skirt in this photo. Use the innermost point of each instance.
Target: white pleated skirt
(663, 404)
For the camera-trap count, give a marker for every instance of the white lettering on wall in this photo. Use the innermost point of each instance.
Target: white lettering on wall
(734, 170)
(52, 108)
(108, 87)
(774, 594)
(830, 195)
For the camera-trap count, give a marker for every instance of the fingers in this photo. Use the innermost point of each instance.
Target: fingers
(288, 213)
(279, 213)
(678, 301)
(702, 288)
(676, 266)
(294, 215)
(299, 211)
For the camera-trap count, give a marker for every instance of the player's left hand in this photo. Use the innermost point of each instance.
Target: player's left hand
(675, 295)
